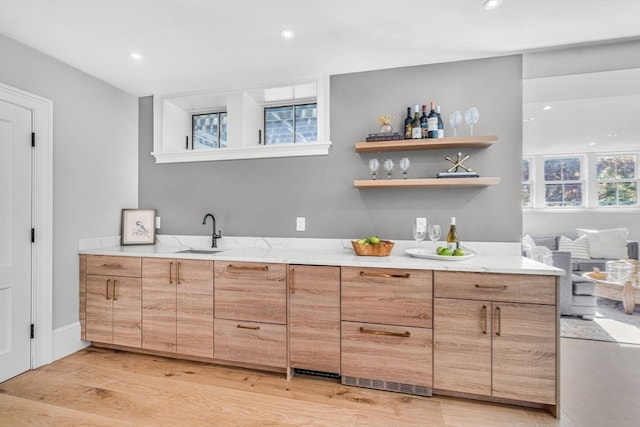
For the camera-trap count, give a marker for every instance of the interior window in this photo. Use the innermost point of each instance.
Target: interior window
(209, 131)
(290, 124)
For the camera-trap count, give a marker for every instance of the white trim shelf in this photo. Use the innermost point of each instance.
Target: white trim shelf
(426, 182)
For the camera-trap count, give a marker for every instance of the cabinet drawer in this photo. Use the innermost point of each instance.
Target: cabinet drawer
(251, 291)
(388, 353)
(114, 265)
(252, 343)
(495, 287)
(387, 296)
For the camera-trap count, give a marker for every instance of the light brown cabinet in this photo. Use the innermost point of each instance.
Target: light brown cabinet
(251, 313)
(386, 329)
(314, 318)
(177, 306)
(112, 300)
(496, 335)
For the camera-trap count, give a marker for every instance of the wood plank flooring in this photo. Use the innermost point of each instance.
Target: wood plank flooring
(99, 387)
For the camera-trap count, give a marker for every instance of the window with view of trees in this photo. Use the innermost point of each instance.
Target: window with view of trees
(617, 180)
(525, 193)
(290, 124)
(563, 182)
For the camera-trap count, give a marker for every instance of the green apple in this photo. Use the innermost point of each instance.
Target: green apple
(374, 240)
(362, 241)
(446, 252)
(458, 252)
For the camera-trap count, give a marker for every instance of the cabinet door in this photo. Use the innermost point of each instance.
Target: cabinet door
(251, 291)
(99, 309)
(524, 352)
(388, 296)
(159, 304)
(252, 343)
(127, 311)
(462, 346)
(314, 318)
(194, 306)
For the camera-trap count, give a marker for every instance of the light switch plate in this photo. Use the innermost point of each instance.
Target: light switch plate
(157, 223)
(421, 224)
(300, 223)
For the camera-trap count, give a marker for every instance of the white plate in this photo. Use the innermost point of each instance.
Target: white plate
(429, 254)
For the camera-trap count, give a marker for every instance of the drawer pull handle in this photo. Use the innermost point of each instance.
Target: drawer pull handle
(244, 267)
(498, 331)
(484, 314)
(118, 266)
(107, 290)
(398, 276)
(292, 285)
(171, 272)
(253, 328)
(498, 287)
(385, 333)
(115, 297)
(178, 272)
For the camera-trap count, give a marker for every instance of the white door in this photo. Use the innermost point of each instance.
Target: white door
(15, 240)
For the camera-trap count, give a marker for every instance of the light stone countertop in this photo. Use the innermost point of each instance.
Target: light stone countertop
(491, 257)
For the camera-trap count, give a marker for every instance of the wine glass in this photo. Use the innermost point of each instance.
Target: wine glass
(471, 117)
(455, 119)
(404, 166)
(374, 164)
(419, 233)
(434, 233)
(388, 167)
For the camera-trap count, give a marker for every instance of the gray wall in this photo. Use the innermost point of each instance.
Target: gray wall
(263, 197)
(94, 158)
(578, 60)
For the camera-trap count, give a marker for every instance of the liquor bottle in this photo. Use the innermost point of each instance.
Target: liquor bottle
(416, 130)
(432, 123)
(453, 242)
(423, 121)
(407, 124)
(440, 123)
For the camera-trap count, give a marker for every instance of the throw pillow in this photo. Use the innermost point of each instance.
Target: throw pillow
(527, 243)
(579, 248)
(541, 254)
(608, 244)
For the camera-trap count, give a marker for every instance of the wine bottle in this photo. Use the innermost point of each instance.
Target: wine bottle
(432, 122)
(440, 123)
(407, 124)
(423, 121)
(453, 242)
(416, 130)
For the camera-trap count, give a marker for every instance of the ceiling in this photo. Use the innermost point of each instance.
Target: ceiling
(198, 44)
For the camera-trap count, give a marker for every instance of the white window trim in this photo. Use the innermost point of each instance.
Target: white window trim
(593, 159)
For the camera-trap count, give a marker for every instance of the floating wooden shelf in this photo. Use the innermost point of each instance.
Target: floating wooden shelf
(426, 182)
(425, 144)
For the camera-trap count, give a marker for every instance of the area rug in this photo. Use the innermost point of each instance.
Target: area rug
(609, 324)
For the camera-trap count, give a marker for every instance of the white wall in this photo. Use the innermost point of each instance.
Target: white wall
(95, 158)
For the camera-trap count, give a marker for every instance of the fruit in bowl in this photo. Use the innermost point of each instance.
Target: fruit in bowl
(444, 251)
(372, 246)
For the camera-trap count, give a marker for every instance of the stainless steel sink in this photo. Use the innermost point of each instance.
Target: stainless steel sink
(200, 251)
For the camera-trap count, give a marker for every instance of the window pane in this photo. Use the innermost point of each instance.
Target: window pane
(553, 169)
(617, 194)
(205, 131)
(572, 194)
(607, 194)
(525, 170)
(571, 169)
(223, 130)
(525, 195)
(553, 195)
(605, 168)
(628, 193)
(626, 167)
(278, 124)
(306, 123)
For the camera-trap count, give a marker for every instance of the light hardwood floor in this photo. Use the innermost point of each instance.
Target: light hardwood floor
(600, 387)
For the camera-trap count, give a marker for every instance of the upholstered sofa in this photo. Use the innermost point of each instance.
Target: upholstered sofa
(577, 293)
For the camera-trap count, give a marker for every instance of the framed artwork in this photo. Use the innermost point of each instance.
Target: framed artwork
(138, 227)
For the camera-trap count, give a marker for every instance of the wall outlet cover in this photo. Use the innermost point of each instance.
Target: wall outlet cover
(300, 223)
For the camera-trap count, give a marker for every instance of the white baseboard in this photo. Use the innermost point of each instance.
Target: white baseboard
(66, 340)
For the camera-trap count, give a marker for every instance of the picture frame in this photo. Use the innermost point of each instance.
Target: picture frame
(138, 227)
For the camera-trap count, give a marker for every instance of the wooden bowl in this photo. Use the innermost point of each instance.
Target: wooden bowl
(380, 249)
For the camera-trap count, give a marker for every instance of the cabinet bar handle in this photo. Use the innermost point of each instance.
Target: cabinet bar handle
(107, 290)
(399, 276)
(503, 287)
(385, 333)
(171, 272)
(292, 285)
(115, 296)
(498, 332)
(243, 267)
(178, 272)
(484, 314)
(253, 328)
(118, 266)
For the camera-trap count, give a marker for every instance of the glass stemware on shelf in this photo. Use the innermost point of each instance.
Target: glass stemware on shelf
(419, 233)
(374, 164)
(455, 120)
(434, 233)
(388, 167)
(471, 117)
(404, 166)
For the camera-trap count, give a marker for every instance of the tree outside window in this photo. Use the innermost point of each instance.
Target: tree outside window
(617, 179)
(563, 182)
(525, 192)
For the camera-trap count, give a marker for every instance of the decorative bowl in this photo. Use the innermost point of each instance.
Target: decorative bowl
(379, 249)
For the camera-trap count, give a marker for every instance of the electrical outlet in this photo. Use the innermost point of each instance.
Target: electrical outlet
(421, 224)
(157, 223)
(300, 223)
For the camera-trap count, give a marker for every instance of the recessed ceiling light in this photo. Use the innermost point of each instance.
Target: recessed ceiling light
(136, 56)
(287, 34)
(547, 107)
(492, 4)
(613, 134)
(591, 144)
(528, 119)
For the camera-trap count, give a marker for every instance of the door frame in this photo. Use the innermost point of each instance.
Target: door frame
(41, 219)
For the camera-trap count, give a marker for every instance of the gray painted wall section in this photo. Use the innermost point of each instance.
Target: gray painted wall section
(95, 168)
(263, 197)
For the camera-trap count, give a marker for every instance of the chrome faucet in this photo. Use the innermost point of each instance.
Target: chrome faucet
(214, 236)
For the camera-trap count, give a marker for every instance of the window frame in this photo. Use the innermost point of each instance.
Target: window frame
(530, 182)
(616, 181)
(563, 182)
(192, 144)
(293, 105)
